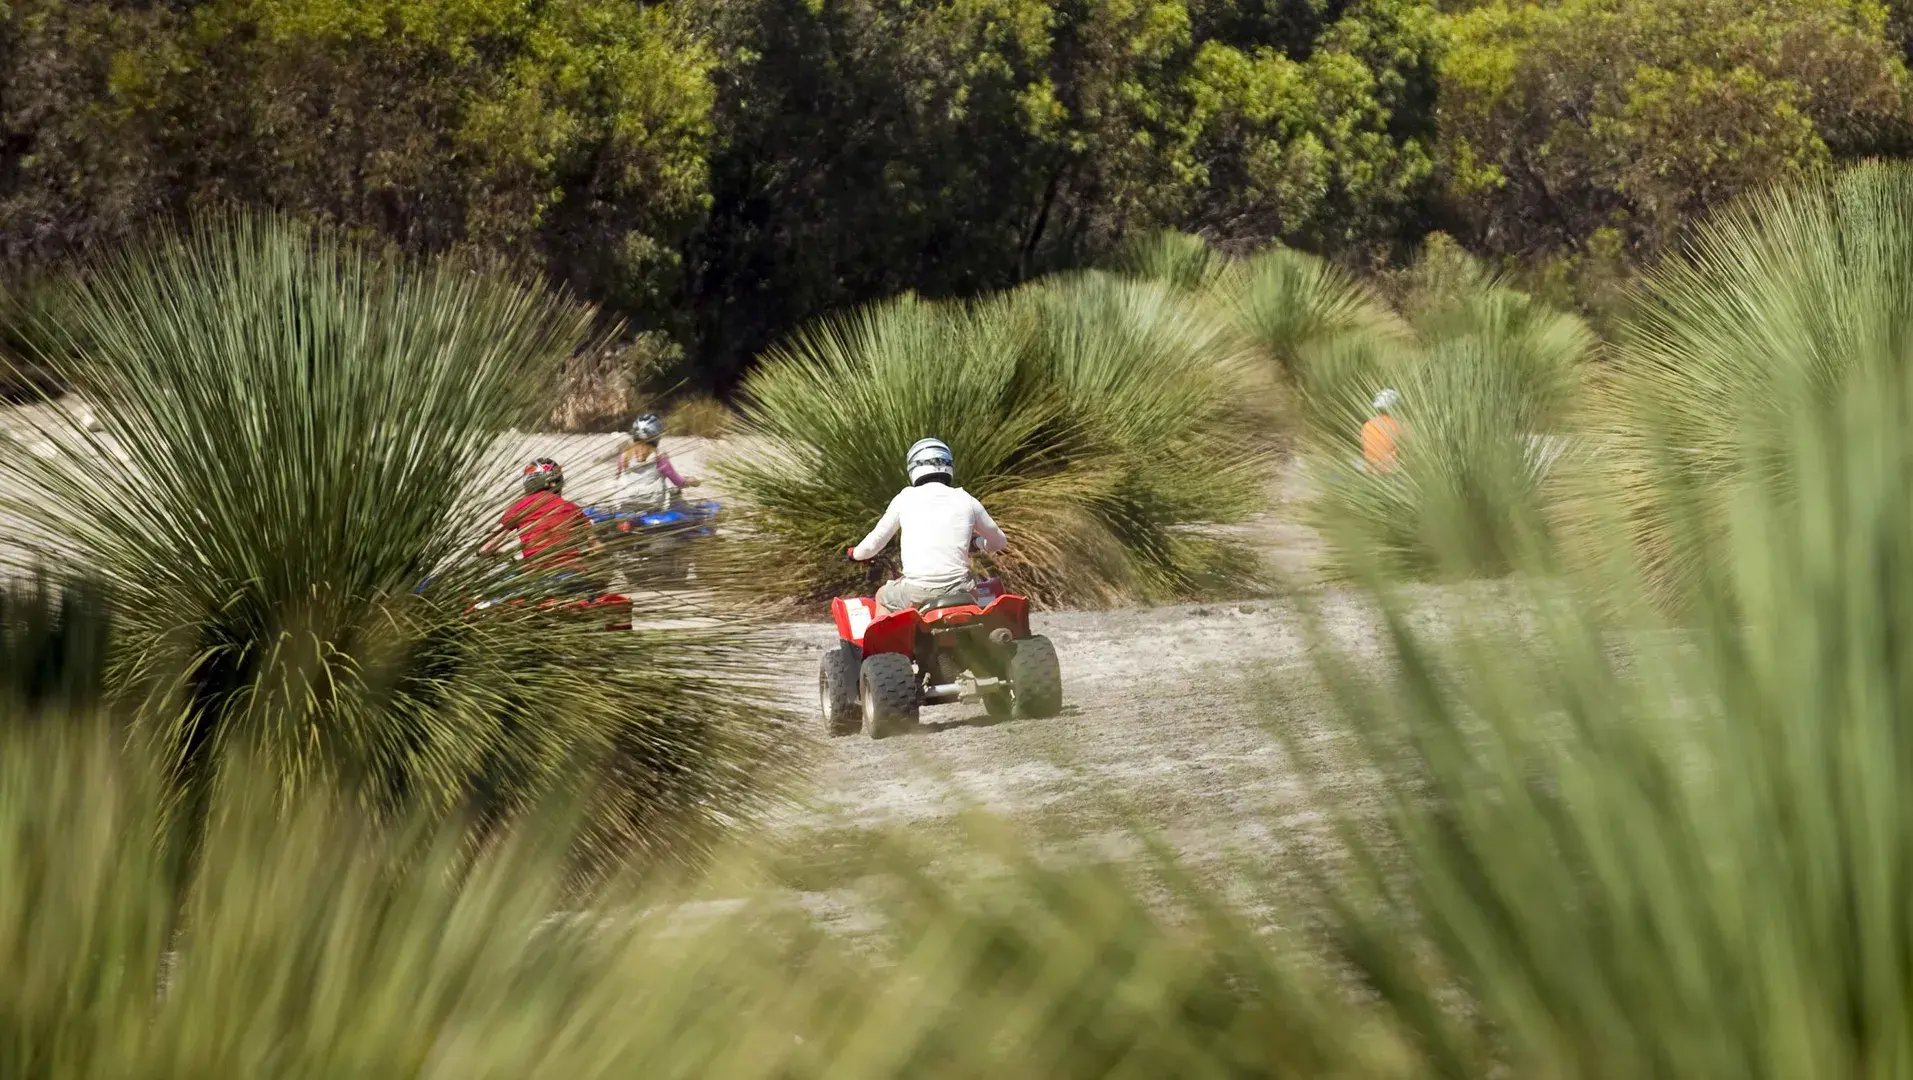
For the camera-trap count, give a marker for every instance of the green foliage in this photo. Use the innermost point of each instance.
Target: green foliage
(1328, 144)
(603, 389)
(26, 305)
(723, 171)
(1561, 119)
(1578, 841)
(700, 416)
(1096, 418)
(1290, 303)
(1784, 301)
(1618, 847)
(871, 147)
(1179, 259)
(1487, 382)
(54, 639)
(306, 944)
(571, 134)
(300, 943)
(296, 434)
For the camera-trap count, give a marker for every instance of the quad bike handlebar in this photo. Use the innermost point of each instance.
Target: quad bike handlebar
(884, 565)
(877, 569)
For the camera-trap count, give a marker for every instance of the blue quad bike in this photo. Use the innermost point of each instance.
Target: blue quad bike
(657, 548)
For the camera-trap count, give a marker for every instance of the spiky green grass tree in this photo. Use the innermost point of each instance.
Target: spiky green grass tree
(1781, 297)
(293, 434)
(1101, 421)
(1577, 841)
(1173, 258)
(1616, 845)
(1488, 381)
(1288, 302)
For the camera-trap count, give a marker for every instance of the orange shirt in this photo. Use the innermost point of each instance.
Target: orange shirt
(1379, 438)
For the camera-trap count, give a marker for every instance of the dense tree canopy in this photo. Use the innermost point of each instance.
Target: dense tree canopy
(722, 170)
(870, 146)
(1563, 119)
(576, 128)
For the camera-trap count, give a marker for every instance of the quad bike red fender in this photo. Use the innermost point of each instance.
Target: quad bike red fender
(858, 622)
(612, 607)
(1004, 611)
(1012, 611)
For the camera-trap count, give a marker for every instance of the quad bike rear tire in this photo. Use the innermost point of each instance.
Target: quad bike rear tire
(889, 695)
(1037, 678)
(666, 564)
(837, 689)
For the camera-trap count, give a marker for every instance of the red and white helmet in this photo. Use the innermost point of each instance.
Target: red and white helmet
(544, 474)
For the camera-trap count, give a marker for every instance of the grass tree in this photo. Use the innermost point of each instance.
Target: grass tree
(1099, 419)
(1780, 303)
(1585, 843)
(1288, 302)
(1487, 382)
(1173, 258)
(293, 434)
(1619, 845)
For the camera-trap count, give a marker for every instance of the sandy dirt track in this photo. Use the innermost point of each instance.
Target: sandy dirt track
(1167, 717)
(1169, 723)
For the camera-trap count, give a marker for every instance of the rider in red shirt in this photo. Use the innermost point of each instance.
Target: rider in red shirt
(552, 531)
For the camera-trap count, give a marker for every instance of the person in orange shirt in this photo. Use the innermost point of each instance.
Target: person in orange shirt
(1381, 436)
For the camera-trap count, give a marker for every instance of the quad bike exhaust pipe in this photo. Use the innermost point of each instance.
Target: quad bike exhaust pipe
(970, 689)
(966, 690)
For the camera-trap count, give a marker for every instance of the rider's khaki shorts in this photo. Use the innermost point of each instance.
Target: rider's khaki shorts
(901, 593)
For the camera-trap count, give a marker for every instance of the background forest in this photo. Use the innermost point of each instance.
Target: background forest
(719, 172)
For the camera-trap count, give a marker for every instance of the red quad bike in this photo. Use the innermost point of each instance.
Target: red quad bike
(959, 647)
(611, 608)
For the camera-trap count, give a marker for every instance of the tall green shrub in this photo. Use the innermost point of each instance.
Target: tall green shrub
(1566, 838)
(294, 435)
(1784, 300)
(1487, 384)
(1618, 845)
(1099, 420)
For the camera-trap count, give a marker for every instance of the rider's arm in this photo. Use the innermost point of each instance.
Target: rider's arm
(507, 524)
(880, 536)
(988, 536)
(669, 472)
(591, 537)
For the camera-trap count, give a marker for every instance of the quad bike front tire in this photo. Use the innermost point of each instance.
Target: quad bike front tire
(1037, 678)
(837, 689)
(889, 695)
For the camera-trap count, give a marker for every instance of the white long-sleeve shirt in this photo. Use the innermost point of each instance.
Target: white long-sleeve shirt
(939, 523)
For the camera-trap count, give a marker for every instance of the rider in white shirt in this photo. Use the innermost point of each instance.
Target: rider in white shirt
(940, 523)
(646, 479)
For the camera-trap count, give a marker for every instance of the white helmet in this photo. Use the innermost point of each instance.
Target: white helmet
(647, 428)
(930, 457)
(1387, 400)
